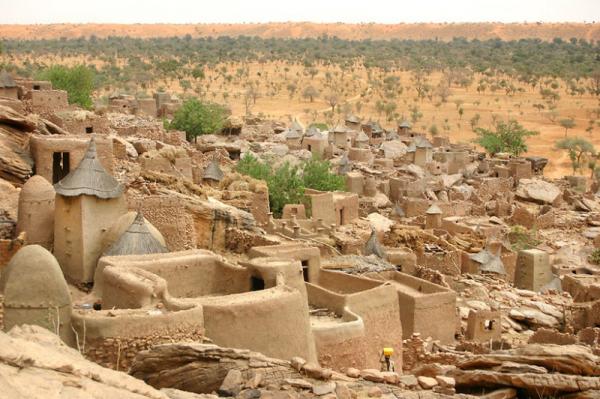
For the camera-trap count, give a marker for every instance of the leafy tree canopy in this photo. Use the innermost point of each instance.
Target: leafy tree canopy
(196, 118)
(508, 137)
(77, 81)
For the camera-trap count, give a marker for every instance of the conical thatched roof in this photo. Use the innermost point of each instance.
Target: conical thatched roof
(313, 130)
(89, 178)
(340, 129)
(213, 171)
(405, 124)
(352, 119)
(361, 137)
(488, 262)
(392, 136)
(292, 134)
(136, 240)
(433, 210)
(373, 247)
(6, 81)
(422, 142)
(297, 126)
(344, 165)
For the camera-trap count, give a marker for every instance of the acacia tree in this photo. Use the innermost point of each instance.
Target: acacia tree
(310, 92)
(577, 148)
(567, 124)
(332, 99)
(508, 137)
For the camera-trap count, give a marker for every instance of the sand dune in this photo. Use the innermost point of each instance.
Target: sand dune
(446, 31)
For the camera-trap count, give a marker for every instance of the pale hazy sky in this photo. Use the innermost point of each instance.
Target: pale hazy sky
(202, 11)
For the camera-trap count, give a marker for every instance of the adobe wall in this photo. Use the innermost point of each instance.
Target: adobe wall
(112, 338)
(79, 228)
(68, 235)
(273, 321)
(9, 92)
(322, 207)
(340, 345)
(425, 308)
(376, 303)
(188, 274)
(299, 252)
(43, 147)
(43, 101)
(169, 215)
(99, 125)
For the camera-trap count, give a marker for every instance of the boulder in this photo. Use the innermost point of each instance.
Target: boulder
(538, 191)
(427, 382)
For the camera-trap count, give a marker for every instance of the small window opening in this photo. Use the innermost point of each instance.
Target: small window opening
(257, 283)
(305, 270)
(60, 166)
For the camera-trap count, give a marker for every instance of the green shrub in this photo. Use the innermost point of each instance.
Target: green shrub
(287, 183)
(317, 175)
(77, 81)
(594, 257)
(250, 165)
(522, 238)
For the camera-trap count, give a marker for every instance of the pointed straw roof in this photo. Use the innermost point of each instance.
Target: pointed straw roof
(344, 165)
(213, 171)
(373, 247)
(89, 178)
(433, 210)
(361, 137)
(136, 240)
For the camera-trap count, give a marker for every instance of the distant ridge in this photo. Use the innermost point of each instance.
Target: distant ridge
(418, 31)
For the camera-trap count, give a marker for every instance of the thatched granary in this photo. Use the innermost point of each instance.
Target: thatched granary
(138, 239)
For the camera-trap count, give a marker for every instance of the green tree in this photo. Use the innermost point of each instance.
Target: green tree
(567, 124)
(196, 118)
(577, 148)
(250, 165)
(285, 187)
(317, 175)
(508, 137)
(77, 81)
(310, 92)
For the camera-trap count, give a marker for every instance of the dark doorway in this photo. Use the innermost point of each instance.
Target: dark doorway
(60, 166)
(89, 129)
(257, 284)
(305, 270)
(36, 87)
(341, 217)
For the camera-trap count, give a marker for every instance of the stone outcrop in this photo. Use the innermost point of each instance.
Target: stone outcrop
(34, 363)
(202, 368)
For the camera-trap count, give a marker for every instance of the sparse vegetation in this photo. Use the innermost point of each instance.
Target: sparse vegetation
(578, 148)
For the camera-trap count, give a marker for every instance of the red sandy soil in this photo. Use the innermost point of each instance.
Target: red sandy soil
(441, 31)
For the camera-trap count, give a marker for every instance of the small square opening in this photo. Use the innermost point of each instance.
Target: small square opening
(89, 129)
(257, 283)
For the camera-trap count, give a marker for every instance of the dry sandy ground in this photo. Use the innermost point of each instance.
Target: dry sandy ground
(441, 31)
